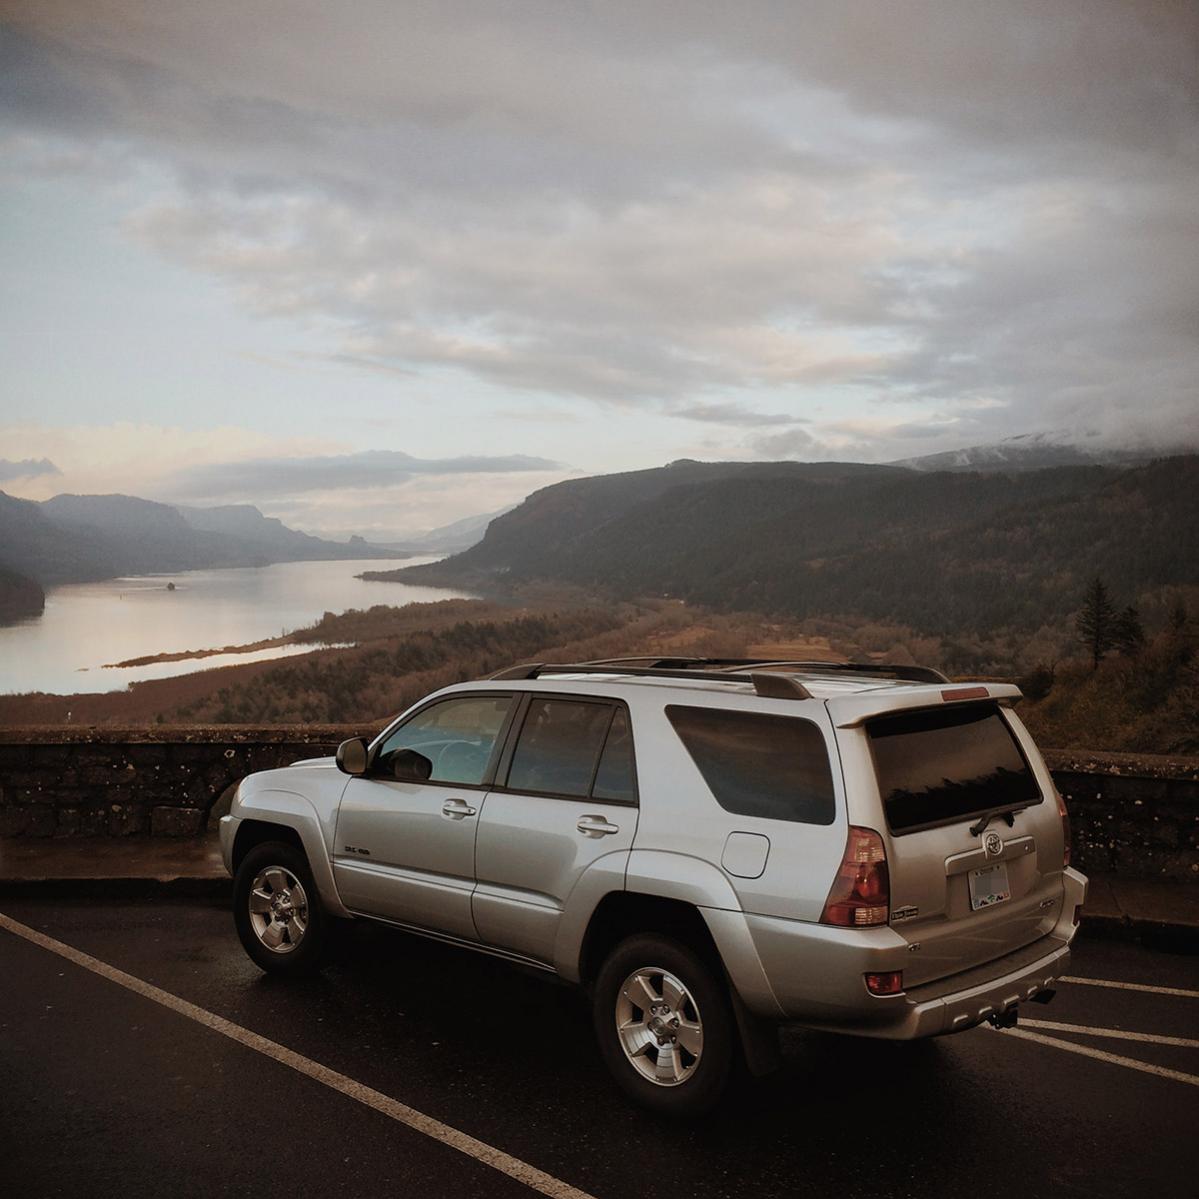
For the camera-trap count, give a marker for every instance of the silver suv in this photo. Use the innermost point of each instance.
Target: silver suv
(710, 847)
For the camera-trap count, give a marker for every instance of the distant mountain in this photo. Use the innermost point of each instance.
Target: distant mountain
(1036, 451)
(271, 538)
(453, 538)
(75, 538)
(942, 552)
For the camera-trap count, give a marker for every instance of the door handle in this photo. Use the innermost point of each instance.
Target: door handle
(457, 809)
(596, 826)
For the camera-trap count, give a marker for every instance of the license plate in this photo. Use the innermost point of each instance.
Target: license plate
(989, 885)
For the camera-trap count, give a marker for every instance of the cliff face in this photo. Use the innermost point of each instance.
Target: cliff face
(20, 598)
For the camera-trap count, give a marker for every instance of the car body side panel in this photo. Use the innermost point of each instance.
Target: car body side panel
(399, 856)
(530, 856)
(304, 799)
(680, 815)
(603, 877)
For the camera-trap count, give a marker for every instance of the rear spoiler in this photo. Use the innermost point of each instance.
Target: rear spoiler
(848, 711)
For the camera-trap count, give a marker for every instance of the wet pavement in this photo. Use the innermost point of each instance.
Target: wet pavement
(107, 1092)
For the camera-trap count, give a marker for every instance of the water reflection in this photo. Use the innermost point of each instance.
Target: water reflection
(87, 625)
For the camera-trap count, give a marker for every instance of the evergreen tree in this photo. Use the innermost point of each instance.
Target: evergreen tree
(1128, 634)
(1096, 622)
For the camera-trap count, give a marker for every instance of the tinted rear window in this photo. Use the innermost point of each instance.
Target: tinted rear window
(758, 765)
(616, 778)
(945, 764)
(559, 747)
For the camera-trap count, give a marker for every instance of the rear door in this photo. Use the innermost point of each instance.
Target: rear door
(565, 796)
(974, 841)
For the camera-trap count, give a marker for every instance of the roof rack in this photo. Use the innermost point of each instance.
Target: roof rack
(771, 686)
(910, 674)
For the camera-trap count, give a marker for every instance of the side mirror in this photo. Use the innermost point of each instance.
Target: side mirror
(352, 756)
(409, 766)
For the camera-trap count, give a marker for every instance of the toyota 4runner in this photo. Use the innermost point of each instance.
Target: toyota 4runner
(710, 847)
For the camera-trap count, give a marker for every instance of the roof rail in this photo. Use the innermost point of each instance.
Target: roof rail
(771, 686)
(911, 674)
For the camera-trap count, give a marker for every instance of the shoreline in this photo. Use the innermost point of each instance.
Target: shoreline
(188, 655)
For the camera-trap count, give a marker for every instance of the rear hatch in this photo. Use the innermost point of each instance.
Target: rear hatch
(970, 823)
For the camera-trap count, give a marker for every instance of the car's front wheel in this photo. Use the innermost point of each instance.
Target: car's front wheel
(277, 910)
(664, 1025)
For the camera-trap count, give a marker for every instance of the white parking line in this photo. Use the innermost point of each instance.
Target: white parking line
(1113, 1058)
(497, 1159)
(1118, 1033)
(1107, 982)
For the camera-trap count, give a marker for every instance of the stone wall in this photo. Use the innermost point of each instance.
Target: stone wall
(1131, 814)
(163, 782)
(1135, 815)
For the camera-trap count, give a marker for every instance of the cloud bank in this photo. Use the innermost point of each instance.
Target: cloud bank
(368, 470)
(916, 226)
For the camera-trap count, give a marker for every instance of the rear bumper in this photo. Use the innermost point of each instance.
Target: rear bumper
(971, 1002)
(816, 975)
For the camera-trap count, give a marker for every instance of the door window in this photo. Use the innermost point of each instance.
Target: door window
(559, 747)
(457, 736)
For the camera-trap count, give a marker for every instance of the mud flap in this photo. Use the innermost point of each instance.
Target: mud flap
(759, 1038)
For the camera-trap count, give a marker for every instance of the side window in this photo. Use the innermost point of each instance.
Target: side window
(759, 765)
(456, 735)
(616, 778)
(559, 746)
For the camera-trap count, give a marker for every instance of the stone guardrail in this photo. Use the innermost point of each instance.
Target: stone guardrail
(1131, 814)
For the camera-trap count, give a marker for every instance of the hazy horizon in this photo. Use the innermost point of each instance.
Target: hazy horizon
(380, 273)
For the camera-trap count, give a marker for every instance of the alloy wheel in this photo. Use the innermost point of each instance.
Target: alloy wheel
(659, 1025)
(278, 909)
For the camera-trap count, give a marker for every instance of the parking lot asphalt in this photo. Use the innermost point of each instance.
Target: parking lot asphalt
(107, 1091)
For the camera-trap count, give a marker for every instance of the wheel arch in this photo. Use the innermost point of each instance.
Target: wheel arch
(622, 914)
(252, 833)
(276, 815)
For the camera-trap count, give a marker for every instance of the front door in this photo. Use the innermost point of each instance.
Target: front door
(566, 798)
(405, 849)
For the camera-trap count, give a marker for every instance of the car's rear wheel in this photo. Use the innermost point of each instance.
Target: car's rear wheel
(664, 1025)
(277, 910)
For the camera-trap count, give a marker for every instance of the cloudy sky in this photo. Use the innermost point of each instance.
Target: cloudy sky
(379, 265)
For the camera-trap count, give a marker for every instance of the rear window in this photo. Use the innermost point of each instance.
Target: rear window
(559, 747)
(944, 764)
(776, 767)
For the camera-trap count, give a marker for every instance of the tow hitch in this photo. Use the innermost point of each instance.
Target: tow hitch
(1004, 1019)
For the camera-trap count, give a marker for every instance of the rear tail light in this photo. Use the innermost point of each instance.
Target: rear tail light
(890, 983)
(861, 892)
(1061, 808)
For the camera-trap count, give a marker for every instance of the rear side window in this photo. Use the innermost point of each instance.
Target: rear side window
(755, 764)
(946, 764)
(559, 747)
(616, 779)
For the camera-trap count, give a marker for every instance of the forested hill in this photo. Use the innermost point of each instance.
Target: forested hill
(533, 537)
(940, 551)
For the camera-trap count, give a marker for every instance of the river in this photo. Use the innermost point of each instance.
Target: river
(86, 626)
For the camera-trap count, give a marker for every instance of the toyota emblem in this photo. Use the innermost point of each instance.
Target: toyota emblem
(993, 845)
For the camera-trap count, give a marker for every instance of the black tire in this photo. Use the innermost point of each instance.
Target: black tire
(298, 957)
(707, 1074)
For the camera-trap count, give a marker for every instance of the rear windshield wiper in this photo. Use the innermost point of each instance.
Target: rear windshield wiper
(1008, 814)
